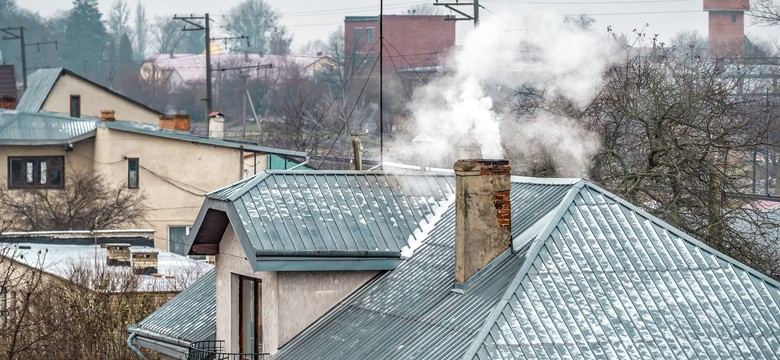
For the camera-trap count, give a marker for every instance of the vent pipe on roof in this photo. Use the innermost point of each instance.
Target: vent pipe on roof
(482, 214)
(216, 125)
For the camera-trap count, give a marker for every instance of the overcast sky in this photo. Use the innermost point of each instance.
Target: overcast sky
(314, 19)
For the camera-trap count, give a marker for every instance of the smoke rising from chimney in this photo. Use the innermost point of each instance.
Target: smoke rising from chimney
(467, 106)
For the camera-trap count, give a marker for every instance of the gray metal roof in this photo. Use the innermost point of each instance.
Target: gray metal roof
(42, 81)
(190, 316)
(591, 277)
(29, 128)
(46, 128)
(39, 85)
(339, 214)
(154, 130)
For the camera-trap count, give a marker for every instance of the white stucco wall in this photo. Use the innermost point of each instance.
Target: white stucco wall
(291, 300)
(94, 99)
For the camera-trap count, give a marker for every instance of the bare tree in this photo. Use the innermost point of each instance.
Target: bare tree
(167, 34)
(765, 12)
(424, 9)
(260, 22)
(87, 202)
(141, 31)
(672, 134)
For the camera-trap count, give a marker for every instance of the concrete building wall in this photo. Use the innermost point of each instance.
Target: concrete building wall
(174, 174)
(94, 99)
(290, 300)
(80, 159)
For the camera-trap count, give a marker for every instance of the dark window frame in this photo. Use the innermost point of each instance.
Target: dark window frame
(77, 112)
(258, 315)
(53, 173)
(130, 184)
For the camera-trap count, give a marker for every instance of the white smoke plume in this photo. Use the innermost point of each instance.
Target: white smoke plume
(509, 51)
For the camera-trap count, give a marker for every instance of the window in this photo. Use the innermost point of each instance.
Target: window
(250, 315)
(132, 173)
(370, 35)
(36, 171)
(358, 36)
(733, 18)
(75, 105)
(176, 237)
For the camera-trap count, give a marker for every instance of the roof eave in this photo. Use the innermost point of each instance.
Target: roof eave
(88, 135)
(313, 263)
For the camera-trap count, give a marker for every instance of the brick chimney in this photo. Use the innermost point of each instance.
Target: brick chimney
(178, 122)
(107, 115)
(118, 254)
(216, 125)
(8, 102)
(483, 214)
(144, 261)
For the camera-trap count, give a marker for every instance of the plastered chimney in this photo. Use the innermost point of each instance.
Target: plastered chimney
(483, 214)
(216, 125)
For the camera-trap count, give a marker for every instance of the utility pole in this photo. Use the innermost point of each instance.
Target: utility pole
(452, 5)
(191, 20)
(13, 36)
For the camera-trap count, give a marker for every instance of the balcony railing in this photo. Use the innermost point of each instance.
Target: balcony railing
(212, 350)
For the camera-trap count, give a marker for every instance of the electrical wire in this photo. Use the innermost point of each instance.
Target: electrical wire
(362, 90)
(401, 79)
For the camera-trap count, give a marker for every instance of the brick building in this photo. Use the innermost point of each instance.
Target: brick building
(412, 42)
(726, 27)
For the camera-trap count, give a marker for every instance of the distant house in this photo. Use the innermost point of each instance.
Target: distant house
(173, 167)
(177, 71)
(62, 91)
(480, 265)
(414, 44)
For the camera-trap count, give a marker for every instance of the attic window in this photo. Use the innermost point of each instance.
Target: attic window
(75, 105)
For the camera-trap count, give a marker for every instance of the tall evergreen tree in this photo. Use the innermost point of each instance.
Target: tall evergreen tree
(141, 31)
(86, 38)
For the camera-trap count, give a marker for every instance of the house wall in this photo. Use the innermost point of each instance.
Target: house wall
(422, 40)
(291, 300)
(726, 33)
(80, 159)
(94, 99)
(174, 174)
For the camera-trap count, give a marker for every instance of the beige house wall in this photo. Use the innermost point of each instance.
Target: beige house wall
(94, 99)
(290, 300)
(174, 174)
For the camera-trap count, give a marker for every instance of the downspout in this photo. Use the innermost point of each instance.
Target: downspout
(301, 164)
(132, 347)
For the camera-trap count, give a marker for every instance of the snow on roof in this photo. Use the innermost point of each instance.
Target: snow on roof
(174, 272)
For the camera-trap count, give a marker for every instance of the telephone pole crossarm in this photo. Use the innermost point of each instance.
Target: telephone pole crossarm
(20, 36)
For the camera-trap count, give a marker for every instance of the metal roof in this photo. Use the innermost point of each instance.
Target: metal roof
(189, 317)
(592, 277)
(154, 130)
(39, 85)
(47, 128)
(338, 214)
(32, 128)
(42, 81)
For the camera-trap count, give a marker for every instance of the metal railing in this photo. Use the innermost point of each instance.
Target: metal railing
(213, 350)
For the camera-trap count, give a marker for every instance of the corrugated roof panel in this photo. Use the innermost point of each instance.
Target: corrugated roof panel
(39, 85)
(190, 316)
(26, 128)
(290, 211)
(637, 289)
(412, 312)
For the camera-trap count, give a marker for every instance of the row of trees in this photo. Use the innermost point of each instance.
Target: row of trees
(105, 47)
